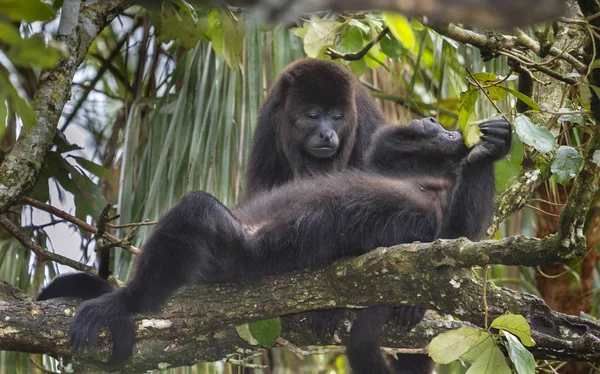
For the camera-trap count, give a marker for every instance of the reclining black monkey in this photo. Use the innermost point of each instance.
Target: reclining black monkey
(411, 190)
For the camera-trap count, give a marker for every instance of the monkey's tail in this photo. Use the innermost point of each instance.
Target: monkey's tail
(82, 285)
(364, 352)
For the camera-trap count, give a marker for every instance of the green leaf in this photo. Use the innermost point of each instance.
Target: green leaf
(391, 47)
(320, 35)
(9, 34)
(491, 361)
(226, 35)
(508, 168)
(485, 78)
(175, 24)
(375, 58)
(19, 105)
(571, 117)
(483, 343)
(497, 93)
(26, 10)
(400, 28)
(566, 164)
(452, 345)
(471, 133)
(244, 333)
(521, 358)
(536, 136)
(516, 325)
(266, 331)
(33, 52)
(97, 170)
(524, 98)
(470, 130)
(351, 40)
(89, 199)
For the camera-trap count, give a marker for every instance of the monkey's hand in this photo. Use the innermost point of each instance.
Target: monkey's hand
(494, 143)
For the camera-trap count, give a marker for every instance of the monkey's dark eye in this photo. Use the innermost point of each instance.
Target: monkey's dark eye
(313, 116)
(337, 117)
(451, 135)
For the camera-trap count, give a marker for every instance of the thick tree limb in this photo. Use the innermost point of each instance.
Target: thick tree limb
(22, 165)
(194, 324)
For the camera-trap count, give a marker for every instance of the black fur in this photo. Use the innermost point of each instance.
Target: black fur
(307, 224)
(80, 285)
(280, 150)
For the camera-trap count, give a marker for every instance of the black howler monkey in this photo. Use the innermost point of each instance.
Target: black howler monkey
(316, 118)
(418, 179)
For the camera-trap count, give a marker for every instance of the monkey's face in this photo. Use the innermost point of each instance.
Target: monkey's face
(317, 131)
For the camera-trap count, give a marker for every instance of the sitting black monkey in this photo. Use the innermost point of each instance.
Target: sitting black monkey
(317, 118)
(414, 176)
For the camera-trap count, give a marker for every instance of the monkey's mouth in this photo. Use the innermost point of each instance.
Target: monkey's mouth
(322, 152)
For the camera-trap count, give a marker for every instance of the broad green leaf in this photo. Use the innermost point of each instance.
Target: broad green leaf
(524, 98)
(26, 10)
(33, 52)
(266, 331)
(451, 345)
(536, 136)
(485, 78)
(40, 190)
(497, 93)
(571, 117)
(244, 333)
(181, 25)
(19, 105)
(360, 25)
(226, 35)
(491, 361)
(521, 358)
(566, 164)
(400, 28)
(516, 325)
(9, 34)
(508, 168)
(375, 58)
(391, 47)
(319, 35)
(89, 199)
(301, 31)
(351, 40)
(94, 168)
(358, 67)
(483, 343)
(471, 133)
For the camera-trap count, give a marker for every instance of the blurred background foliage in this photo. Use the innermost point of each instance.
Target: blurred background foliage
(166, 102)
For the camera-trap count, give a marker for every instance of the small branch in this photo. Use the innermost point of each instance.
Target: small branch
(506, 43)
(84, 225)
(532, 45)
(360, 54)
(135, 224)
(515, 197)
(42, 254)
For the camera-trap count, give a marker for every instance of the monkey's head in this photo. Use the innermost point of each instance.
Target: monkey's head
(320, 114)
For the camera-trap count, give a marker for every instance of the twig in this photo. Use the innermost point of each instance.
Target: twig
(134, 224)
(360, 54)
(41, 254)
(84, 225)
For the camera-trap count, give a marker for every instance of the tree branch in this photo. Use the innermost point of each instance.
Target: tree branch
(82, 224)
(21, 166)
(41, 253)
(194, 324)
